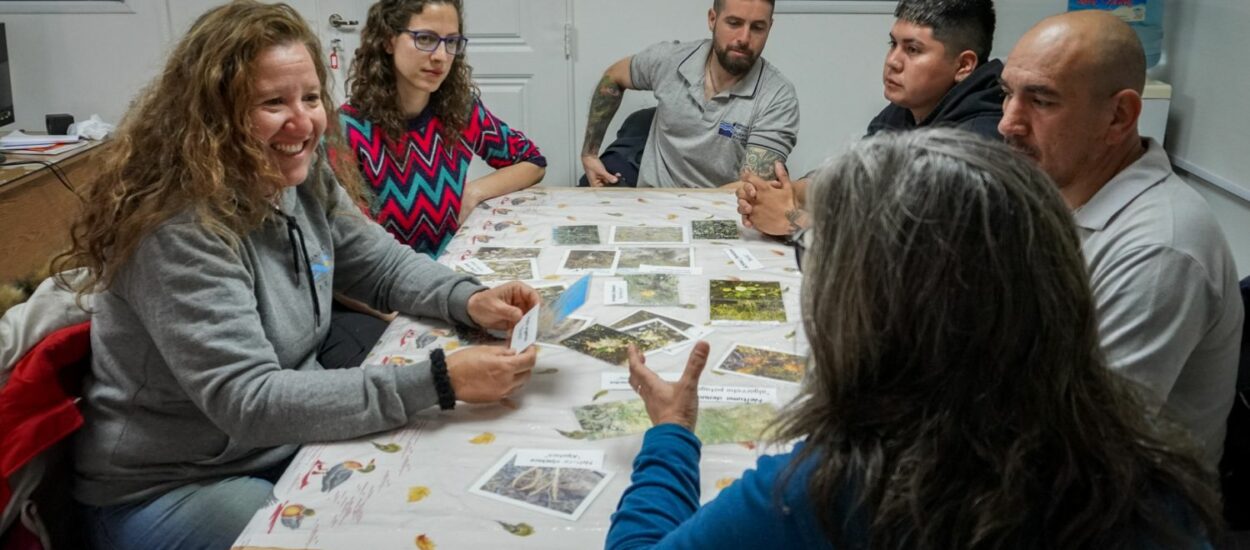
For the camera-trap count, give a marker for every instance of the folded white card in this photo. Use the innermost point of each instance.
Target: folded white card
(526, 331)
(743, 258)
(559, 458)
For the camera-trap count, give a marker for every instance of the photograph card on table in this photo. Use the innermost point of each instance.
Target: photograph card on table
(656, 335)
(506, 253)
(715, 230)
(732, 302)
(605, 344)
(573, 235)
(652, 290)
(732, 424)
(643, 234)
(562, 491)
(509, 270)
(643, 315)
(633, 259)
(582, 261)
(569, 326)
(758, 362)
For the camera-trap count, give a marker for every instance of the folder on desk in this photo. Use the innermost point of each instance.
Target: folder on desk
(18, 139)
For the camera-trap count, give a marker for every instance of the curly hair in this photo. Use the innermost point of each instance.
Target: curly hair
(372, 84)
(957, 386)
(162, 161)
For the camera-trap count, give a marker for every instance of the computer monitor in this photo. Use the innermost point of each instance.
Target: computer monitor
(6, 87)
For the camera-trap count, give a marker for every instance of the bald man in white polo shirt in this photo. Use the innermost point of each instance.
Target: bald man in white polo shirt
(722, 109)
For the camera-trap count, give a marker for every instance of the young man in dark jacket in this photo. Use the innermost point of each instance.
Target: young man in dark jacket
(935, 74)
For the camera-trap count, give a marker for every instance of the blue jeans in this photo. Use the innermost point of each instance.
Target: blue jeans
(199, 516)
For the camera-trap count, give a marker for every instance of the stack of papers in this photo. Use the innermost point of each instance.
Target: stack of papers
(18, 141)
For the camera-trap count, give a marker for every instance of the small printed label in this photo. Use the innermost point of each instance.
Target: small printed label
(619, 381)
(476, 267)
(737, 394)
(615, 293)
(526, 331)
(559, 458)
(744, 259)
(644, 268)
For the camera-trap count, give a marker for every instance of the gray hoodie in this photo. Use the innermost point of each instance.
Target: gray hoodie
(204, 354)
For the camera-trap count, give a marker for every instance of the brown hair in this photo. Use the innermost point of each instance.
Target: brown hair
(372, 82)
(162, 162)
(957, 387)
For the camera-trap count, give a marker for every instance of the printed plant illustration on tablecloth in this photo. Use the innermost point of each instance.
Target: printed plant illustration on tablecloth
(336, 475)
(521, 529)
(290, 515)
(413, 341)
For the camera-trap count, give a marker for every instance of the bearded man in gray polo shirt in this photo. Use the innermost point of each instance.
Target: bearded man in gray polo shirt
(1164, 282)
(722, 109)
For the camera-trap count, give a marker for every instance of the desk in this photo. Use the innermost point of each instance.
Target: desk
(445, 453)
(36, 209)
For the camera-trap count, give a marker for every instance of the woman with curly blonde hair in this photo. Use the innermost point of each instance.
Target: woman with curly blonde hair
(415, 120)
(213, 245)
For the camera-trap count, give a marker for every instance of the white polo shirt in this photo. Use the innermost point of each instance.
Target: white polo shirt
(1165, 285)
(701, 143)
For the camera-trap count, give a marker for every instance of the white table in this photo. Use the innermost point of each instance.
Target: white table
(373, 510)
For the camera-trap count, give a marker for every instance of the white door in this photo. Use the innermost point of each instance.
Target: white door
(518, 52)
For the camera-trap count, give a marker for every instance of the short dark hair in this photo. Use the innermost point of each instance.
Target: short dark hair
(958, 24)
(718, 5)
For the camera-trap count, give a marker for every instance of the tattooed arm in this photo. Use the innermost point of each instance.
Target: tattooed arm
(603, 105)
(761, 162)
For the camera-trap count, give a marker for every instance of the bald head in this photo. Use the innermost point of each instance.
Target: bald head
(1092, 47)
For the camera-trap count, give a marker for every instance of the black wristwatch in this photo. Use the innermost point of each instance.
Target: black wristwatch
(442, 380)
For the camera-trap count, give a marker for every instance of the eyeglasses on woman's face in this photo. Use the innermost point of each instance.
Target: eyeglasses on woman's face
(428, 41)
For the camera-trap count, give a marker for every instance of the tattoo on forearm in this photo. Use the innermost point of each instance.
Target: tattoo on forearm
(795, 217)
(761, 162)
(603, 105)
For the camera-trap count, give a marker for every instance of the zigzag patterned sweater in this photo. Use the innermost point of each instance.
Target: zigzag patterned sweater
(418, 181)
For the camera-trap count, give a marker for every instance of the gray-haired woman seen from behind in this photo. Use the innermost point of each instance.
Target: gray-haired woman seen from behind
(955, 396)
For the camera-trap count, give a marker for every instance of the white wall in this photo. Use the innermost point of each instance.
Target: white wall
(1209, 123)
(84, 64)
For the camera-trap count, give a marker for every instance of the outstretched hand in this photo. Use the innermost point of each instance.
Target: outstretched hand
(669, 403)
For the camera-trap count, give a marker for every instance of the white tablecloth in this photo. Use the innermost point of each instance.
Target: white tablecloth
(437, 453)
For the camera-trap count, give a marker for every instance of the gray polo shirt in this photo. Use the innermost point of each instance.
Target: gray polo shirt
(702, 143)
(1165, 287)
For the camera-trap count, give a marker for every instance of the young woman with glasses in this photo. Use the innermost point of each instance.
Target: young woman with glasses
(415, 120)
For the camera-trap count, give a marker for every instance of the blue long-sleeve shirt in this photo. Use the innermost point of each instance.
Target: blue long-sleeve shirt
(661, 509)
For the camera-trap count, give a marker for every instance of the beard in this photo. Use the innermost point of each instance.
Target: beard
(736, 67)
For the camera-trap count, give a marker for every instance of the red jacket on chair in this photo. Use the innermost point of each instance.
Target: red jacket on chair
(37, 404)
